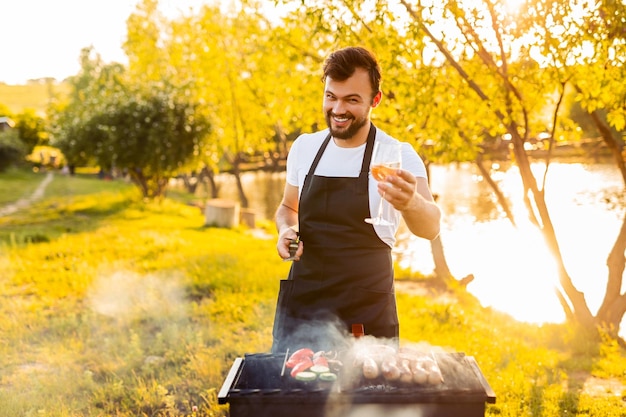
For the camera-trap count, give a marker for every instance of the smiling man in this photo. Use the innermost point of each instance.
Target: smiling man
(343, 269)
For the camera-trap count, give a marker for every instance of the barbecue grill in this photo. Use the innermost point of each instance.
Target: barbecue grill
(257, 387)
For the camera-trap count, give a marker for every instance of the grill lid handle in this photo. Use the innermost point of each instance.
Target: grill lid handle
(229, 381)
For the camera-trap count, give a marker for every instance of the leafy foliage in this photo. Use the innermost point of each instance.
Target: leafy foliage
(147, 131)
(31, 129)
(18, 140)
(151, 137)
(12, 149)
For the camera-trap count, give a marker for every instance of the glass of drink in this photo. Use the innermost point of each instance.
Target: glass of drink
(387, 158)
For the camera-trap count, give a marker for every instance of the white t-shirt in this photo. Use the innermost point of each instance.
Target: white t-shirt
(346, 162)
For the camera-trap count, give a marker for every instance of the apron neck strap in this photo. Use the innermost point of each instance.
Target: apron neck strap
(319, 155)
(369, 149)
(367, 158)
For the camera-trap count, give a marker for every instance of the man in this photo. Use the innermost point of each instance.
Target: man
(343, 271)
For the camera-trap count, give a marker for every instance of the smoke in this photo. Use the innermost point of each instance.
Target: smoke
(321, 333)
(128, 296)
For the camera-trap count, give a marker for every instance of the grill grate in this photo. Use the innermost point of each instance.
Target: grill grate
(254, 387)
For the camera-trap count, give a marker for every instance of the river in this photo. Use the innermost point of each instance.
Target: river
(514, 272)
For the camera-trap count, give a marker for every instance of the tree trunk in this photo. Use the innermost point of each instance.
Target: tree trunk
(616, 146)
(501, 198)
(191, 182)
(207, 175)
(578, 304)
(237, 173)
(487, 175)
(442, 271)
(138, 178)
(613, 306)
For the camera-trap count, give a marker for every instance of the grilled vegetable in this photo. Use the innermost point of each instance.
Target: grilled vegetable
(306, 376)
(320, 361)
(301, 366)
(328, 377)
(319, 369)
(298, 356)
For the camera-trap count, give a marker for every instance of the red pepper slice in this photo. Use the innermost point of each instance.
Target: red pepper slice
(297, 356)
(303, 365)
(321, 361)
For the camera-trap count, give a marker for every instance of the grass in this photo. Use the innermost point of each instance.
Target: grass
(17, 184)
(35, 96)
(116, 307)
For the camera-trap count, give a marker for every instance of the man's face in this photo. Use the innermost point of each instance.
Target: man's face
(348, 104)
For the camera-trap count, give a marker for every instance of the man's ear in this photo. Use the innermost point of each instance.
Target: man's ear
(377, 98)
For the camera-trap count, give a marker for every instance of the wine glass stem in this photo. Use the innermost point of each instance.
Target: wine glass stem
(379, 216)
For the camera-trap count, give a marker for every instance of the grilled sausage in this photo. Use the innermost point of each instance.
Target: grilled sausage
(420, 375)
(405, 371)
(390, 369)
(435, 377)
(370, 368)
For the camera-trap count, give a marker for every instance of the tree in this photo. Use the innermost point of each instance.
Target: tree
(590, 53)
(69, 116)
(12, 149)
(151, 136)
(31, 129)
(148, 130)
(466, 72)
(514, 112)
(19, 140)
(253, 90)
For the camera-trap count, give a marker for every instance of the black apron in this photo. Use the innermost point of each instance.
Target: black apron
(345, 275)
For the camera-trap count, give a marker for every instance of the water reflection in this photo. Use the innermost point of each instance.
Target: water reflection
(514, 272)
(264, 190)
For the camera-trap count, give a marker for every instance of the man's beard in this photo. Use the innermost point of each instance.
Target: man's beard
(348, 132)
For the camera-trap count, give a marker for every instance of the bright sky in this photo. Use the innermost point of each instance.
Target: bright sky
(43, 38)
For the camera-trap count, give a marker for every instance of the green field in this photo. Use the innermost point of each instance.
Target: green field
(113, 306)
(36, 96)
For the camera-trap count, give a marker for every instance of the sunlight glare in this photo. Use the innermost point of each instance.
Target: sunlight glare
(522, 286)
(514, 271)
(513, 6)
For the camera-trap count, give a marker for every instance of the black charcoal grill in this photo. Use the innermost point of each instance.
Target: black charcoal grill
(254, 387)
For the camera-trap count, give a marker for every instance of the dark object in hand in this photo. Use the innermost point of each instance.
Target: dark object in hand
(293, 248)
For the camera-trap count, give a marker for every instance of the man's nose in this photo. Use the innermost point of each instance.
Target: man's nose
(339, 107)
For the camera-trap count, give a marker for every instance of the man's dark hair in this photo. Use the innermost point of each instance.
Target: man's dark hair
(341, 64)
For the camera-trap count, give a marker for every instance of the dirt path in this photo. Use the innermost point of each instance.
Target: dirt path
(25, 202)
